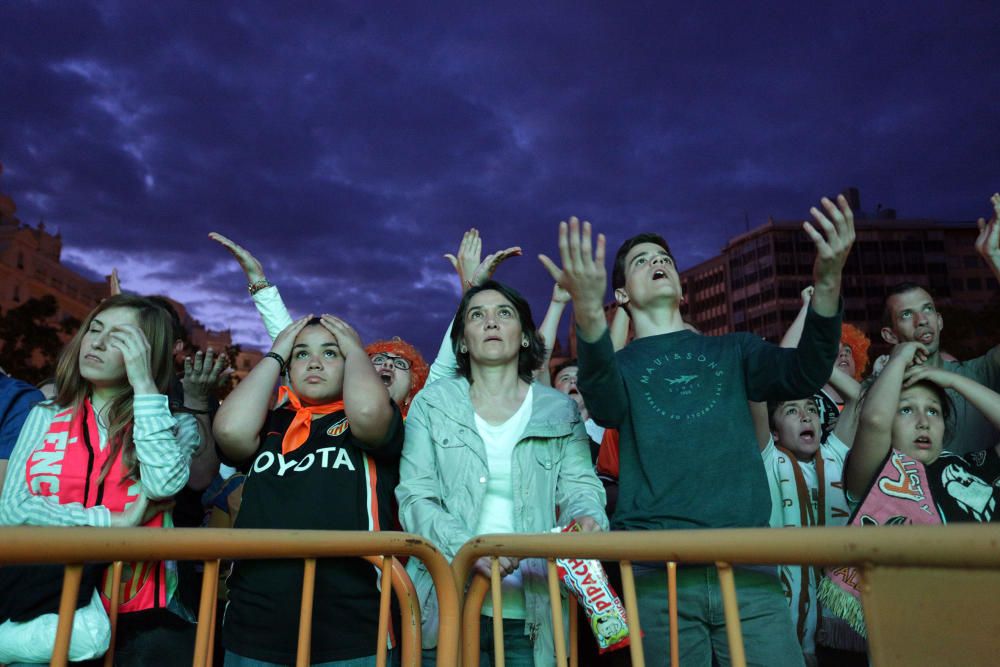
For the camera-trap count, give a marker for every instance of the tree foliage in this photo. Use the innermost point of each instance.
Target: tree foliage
(29, 342)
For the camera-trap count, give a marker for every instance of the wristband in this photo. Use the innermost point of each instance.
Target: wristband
(276, 357)
(253, 288)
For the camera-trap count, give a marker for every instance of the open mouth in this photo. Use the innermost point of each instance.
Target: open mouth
(923, 442)
(387, 377)
(808, 436)
(659, 274)
(925, 336)
(91, 357)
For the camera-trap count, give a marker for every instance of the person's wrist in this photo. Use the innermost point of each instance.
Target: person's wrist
(195, 402)
(145, 387)
(255, 286)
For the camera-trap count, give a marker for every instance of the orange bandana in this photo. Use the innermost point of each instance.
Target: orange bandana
(298, 432)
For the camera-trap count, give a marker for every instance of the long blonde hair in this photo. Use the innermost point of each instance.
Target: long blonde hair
(72, 388)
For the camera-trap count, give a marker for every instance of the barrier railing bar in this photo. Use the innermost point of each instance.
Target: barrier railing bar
(496, 591)
(555, 599)
(116, 592)
(675, 646)
(632, 611)
(574, 649)
(383, 611)
(731, 607)
(68, 545)
(203, 634)
(214, 594)
(409, 606)
(471, 611)
(67, 605)
(955, 545)
(305, 613)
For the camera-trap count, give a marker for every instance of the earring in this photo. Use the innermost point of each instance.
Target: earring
(524, 341)
(462, 348)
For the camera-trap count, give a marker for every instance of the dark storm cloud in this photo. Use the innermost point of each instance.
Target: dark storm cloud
(350, 146)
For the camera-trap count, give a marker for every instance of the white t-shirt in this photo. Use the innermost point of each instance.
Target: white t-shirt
(498, 506)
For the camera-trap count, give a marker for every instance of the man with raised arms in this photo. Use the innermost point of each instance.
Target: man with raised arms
(688, 453)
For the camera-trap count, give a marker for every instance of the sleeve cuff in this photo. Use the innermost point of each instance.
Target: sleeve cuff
(150, 404)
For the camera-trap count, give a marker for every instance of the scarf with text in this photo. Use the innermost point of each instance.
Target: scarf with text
(67, 468)
(899, 495)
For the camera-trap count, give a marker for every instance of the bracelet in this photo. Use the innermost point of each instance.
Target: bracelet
(276, 357)
(253, 288)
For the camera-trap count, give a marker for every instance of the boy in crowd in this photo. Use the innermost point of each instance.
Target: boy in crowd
(688, 451)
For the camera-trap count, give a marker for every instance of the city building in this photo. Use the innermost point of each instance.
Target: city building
(31, 268)
(755, 283)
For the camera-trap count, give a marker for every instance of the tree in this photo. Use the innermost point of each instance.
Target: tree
(30, 342)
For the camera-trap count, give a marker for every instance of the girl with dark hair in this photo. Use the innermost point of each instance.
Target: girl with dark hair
(106, 451)
(491, 451)
(897, 472)
(325, 459)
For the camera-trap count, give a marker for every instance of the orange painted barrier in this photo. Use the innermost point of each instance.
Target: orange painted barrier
(73, 546)
(931, 594)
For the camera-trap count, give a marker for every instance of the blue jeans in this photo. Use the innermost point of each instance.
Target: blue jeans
(235, 660)
(768, 634)
(517, 649)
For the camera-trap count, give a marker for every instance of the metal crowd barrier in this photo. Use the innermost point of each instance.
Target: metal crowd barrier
(931, 594)
(74, 546)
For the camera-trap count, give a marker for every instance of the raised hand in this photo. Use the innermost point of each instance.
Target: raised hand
(988, 241)
(833, 239)
(582, 275)
(251, 265)
(559, 295)
(807, 295)
(282, 345)
(201, 377)
(131, 342)
(473, 271)
(115, 287)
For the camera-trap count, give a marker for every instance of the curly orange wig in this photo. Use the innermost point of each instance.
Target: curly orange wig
(859, 343)
(418, 367)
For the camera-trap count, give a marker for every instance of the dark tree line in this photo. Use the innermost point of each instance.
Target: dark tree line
(29, 342)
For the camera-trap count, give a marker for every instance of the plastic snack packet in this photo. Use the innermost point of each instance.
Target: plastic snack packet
(588, 581)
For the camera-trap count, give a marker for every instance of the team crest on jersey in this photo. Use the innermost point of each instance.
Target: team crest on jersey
(338, 428)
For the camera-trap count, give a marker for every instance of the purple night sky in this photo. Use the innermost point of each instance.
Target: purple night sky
(350, 144)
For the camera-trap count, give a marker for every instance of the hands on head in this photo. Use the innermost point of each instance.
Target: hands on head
(473, 271)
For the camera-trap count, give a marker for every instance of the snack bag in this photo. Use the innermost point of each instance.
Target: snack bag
(588, 581)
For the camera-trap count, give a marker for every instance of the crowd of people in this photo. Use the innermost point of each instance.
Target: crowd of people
(662, 430)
